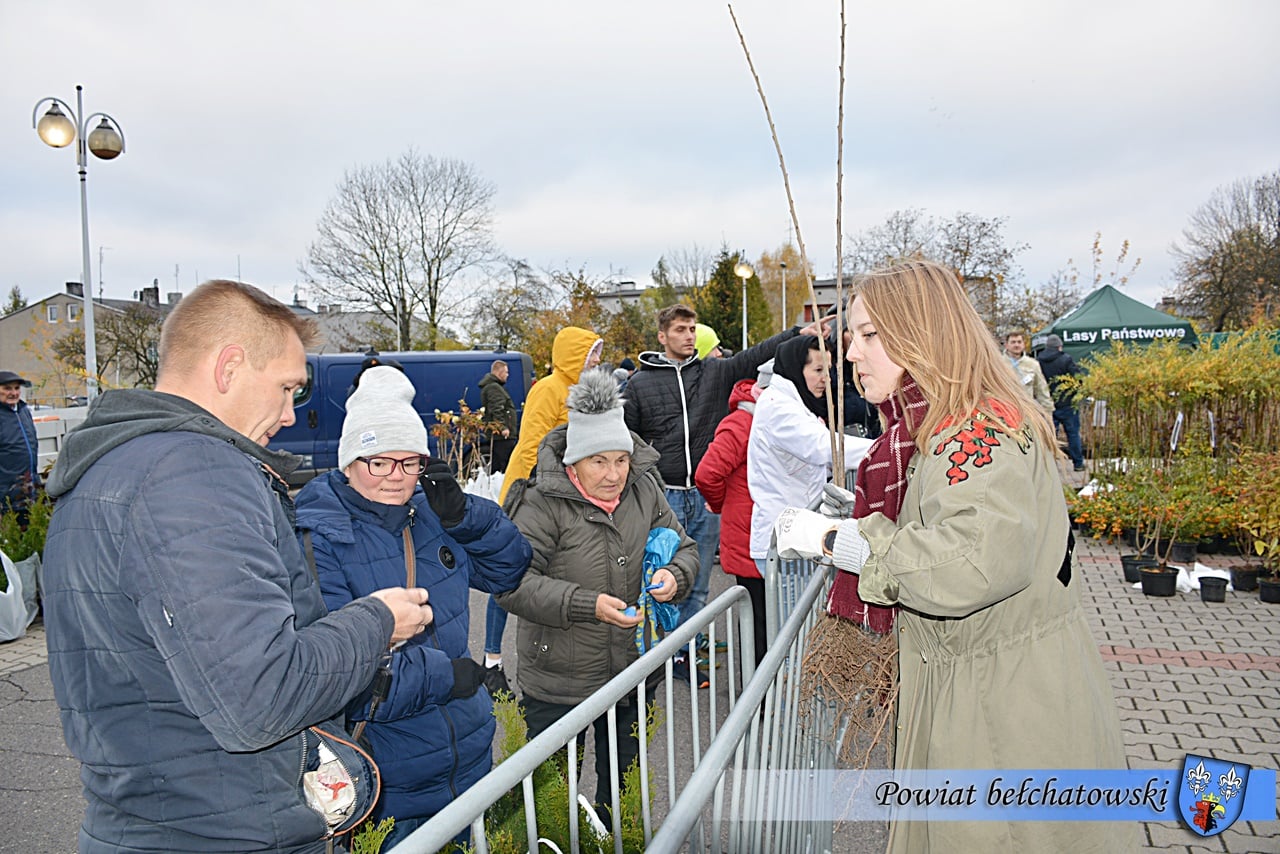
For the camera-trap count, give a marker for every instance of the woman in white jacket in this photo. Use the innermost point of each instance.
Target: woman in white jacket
(789, 452)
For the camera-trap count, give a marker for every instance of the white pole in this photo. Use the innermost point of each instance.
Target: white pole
(90, 342)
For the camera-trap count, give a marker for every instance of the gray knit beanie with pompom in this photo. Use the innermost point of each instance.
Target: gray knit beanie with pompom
(596, 424)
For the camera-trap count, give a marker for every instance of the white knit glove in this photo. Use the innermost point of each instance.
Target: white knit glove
(799, 532)
(850, 550)
(837, 503)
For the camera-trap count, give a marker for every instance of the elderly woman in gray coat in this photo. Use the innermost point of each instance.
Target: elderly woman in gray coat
(587, 513)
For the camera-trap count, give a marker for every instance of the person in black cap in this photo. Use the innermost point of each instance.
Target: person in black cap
(1055, 364)
(372, 360)
(622, 375)
(19, 448)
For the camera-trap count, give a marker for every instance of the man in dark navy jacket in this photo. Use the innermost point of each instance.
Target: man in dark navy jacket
(19, 448)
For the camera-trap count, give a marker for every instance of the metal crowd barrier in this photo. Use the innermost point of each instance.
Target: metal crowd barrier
(786, 580)
(715, 620)
(775, 739)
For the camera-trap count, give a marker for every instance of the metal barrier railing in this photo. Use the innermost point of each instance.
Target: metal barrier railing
(468, 810)
(785, 580)
(772, 729)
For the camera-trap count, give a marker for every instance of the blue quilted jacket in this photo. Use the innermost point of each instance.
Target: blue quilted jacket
(430, 748)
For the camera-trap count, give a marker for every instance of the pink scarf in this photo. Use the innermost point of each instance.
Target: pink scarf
(881, 488)
(606, 506)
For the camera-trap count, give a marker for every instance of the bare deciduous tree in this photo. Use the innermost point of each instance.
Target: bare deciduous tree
(1056, 297)
(973, 246)
(511, 304)
(689, 268)
(396, 236)
(1229, 257)
(133, 336)
(904, 234)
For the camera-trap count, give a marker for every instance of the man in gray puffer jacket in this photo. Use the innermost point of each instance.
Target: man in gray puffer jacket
(188, 643)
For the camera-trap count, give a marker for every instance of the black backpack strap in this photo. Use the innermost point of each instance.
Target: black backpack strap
(1064, 573)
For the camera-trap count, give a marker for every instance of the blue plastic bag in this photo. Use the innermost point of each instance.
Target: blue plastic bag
(657, 618)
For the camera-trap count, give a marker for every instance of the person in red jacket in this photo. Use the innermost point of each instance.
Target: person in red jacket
(722, 479)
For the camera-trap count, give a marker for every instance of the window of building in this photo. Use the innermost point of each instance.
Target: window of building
(73, 313)
(52, 312)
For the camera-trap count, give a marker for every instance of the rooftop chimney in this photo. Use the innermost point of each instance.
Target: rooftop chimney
(150, 296)
(76, 289)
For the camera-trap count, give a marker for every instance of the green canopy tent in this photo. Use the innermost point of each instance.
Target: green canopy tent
(1106, 315)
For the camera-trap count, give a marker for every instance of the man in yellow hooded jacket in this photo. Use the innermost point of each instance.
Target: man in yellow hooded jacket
(574, 350)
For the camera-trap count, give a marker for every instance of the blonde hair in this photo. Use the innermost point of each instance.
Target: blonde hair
(928, 327)
(222, 312)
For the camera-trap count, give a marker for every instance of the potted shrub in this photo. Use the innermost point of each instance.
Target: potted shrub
(1179, 497)
(1157, 512)
(23, 546)
(1258, 504)
(1112, 512)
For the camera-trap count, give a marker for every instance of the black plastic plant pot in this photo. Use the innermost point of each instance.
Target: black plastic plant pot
(1244, 578)
(1213, 590)
(1159, 581)
(1183, 553)
(1132, 566)
(1269, 590)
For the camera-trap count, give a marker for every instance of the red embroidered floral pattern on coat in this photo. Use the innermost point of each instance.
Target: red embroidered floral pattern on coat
(975, 443)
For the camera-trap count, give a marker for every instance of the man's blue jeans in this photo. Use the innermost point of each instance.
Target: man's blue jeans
(1069, 418)
(703, 527)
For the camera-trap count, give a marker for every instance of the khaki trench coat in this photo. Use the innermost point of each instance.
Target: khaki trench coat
(998, 667)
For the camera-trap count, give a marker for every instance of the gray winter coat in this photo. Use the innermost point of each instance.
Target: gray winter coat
(188, 643)
(579, 552)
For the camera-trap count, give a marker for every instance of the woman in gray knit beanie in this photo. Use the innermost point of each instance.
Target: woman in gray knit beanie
(587, 512)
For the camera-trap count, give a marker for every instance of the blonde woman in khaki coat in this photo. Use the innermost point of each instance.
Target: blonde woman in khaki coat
(960, 519)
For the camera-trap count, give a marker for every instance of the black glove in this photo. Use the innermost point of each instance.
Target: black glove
(496, 681)
(467, 677)
(443, 493)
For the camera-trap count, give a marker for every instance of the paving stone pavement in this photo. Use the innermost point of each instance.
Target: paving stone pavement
(1188, 676)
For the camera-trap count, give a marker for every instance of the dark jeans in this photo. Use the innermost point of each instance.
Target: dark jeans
(1068, 417)
(495, 623)
(501, 456)
(703, 527)
(405, 826)
(540, 716)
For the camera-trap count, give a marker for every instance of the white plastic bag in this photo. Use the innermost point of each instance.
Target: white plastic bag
(13, 610)
(1201, 571)
(484, 485)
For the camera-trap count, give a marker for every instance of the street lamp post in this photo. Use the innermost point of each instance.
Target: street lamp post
(783, 265)
(743, 271)
(106, 142)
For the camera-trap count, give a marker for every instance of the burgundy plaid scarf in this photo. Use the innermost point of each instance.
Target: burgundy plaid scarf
(881, 487)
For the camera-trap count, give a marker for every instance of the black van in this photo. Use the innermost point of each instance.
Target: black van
(441, 378)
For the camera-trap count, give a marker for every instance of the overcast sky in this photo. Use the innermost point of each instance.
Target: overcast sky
(615, 132)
